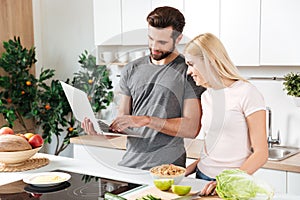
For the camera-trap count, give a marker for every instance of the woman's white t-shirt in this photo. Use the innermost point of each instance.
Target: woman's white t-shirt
(224, 128)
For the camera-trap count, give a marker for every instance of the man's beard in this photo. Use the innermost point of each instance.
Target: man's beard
(163, 55)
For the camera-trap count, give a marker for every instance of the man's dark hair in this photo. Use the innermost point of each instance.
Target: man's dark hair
(162, 17)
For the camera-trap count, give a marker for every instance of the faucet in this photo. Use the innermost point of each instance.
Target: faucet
(271, 140)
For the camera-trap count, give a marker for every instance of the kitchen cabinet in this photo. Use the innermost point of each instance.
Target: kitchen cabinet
(280, 30)
(236, 23)
(173, 3)
(126, 25)
(134, 24)
(107, 24)
(293, 182)
(275, 178)
(254, 32)
(240, 30)
(135, 27)
(98, 154)
(201, 16)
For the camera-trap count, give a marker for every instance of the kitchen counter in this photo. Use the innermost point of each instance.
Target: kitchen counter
(112, 172)
(119, 142)
(291, 164)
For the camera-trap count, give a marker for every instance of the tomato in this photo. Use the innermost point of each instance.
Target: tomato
(36, 141)
(6, 130)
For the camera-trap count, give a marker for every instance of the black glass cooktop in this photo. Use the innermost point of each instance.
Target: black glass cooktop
(79, 187)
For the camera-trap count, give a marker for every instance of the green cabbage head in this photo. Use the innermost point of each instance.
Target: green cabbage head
(235, 184)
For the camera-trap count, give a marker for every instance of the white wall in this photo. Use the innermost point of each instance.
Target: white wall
(285, 115)
(64, 28)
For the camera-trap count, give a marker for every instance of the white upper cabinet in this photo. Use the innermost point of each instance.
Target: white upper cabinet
(134, 14)
(107, 22)
(134, 23)
(201, 16)
(280, 31)
(240, 30)
(254, 32)
(173, 3)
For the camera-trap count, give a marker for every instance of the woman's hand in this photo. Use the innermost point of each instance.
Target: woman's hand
(209, 188)
(191, 168)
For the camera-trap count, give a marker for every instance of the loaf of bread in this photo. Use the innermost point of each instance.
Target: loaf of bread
(13, 143)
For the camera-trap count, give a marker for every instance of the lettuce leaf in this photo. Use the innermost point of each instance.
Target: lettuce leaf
(235, 184)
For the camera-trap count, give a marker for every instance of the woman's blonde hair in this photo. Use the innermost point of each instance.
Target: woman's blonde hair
(218, 65)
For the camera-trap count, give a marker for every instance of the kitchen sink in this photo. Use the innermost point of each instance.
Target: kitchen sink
(277, 153)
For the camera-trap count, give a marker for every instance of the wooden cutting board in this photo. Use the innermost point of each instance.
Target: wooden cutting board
(164, 195)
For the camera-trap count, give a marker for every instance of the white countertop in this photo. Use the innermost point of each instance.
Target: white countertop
(101, 169)
(111, 171)
(85, 167)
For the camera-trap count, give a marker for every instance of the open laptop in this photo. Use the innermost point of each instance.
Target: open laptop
(82, 108)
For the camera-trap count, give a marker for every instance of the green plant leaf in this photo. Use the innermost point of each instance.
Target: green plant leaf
(22, 95)
(292, 84)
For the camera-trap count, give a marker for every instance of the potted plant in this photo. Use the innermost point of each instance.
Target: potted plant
(292, 86)
(94, 80)
(23, 96)
(18, 87)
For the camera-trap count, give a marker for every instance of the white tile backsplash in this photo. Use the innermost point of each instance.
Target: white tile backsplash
(285, 114)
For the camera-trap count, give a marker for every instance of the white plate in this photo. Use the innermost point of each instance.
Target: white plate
(46, 179)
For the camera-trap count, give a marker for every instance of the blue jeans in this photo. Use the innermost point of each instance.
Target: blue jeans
(200, 175)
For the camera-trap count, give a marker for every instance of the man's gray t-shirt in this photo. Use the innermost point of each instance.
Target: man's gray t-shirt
(159, 91)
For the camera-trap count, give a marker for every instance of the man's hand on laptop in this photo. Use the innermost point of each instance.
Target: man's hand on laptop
(88, 127)
(122, 123)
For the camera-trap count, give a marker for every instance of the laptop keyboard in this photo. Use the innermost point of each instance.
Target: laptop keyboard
(103, 126)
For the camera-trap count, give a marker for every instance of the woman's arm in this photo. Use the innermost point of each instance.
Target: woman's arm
(191, 168)
(257, 132)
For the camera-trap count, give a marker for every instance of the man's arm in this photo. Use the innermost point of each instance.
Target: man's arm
(187, 126)
(125, 106)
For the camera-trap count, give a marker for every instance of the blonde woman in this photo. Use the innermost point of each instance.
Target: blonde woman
(233, 113)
